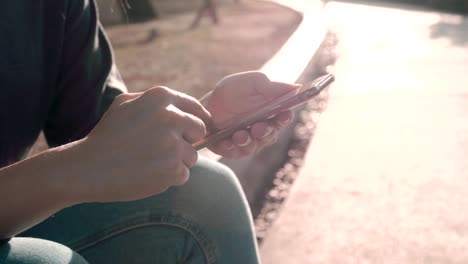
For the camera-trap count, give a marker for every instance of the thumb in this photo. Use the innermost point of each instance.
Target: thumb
(122, 98)
(277, 89)
(119, 100)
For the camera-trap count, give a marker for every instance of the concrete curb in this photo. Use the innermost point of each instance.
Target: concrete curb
(255, 172)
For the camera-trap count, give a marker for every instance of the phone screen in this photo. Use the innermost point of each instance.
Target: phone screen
(305, 93)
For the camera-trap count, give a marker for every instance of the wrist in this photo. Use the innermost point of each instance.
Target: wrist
(35, 188)
(65, 175)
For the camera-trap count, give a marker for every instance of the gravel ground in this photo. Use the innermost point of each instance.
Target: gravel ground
(304, 128)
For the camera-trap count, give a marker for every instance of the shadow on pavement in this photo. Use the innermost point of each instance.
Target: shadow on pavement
(387, 4)
(451, 26)
(454, 28)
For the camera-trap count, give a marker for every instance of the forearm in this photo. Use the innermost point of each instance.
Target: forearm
(33, 189)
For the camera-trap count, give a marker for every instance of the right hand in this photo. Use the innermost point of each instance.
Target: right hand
(141, 147)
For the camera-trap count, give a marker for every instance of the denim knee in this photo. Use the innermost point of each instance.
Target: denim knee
(213, 198)
(210, 211)
(38, 251)
(208, 171)
(213, 195)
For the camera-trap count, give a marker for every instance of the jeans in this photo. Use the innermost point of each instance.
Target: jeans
(207, 220)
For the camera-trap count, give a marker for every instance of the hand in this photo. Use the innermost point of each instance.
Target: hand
(141, 146)
(241, 93)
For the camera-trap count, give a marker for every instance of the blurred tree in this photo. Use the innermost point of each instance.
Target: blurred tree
(208, 6)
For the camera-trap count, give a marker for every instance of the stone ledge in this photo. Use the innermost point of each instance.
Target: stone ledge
(287, 65)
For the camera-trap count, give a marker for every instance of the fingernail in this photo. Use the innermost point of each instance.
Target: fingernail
(296, 85)
(268, 131)
(284, 122)
(229, 146)
(247, 142)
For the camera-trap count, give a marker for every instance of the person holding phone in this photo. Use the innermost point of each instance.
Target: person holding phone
(121, 182)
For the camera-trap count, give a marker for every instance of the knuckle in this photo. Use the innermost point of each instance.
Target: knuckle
(259, 75)
(199, 127)
(159, 93)
(260, 78)
(119, 99)
(158, 90)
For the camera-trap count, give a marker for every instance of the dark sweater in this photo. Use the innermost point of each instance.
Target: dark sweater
(56, 73)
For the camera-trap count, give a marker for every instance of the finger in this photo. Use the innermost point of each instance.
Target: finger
(261, 130)
(263, 133)
(271, 139)
(244, 142)
(193, 128)
(283, 118)
(268, 140)
(164, 96)
(181, 175)
(189, 155)
(157, 96)
(246, 79)
(192, 106)
(275, 90)
(125, 97)
(189, 126)
(224, 145)
(251, 148)
(226, 149)
(241, 138)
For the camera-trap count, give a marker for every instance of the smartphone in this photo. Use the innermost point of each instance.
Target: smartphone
(267, 111)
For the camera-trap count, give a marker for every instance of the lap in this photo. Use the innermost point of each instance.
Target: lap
(202, 218)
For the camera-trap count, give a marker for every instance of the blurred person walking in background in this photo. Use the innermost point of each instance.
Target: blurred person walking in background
(208, 7)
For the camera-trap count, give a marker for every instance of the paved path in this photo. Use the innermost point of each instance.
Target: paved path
(386, 177)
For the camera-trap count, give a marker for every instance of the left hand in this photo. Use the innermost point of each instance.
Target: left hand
(241, 93)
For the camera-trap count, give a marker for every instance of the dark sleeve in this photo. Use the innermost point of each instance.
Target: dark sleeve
(88, 80)
(4, 241)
